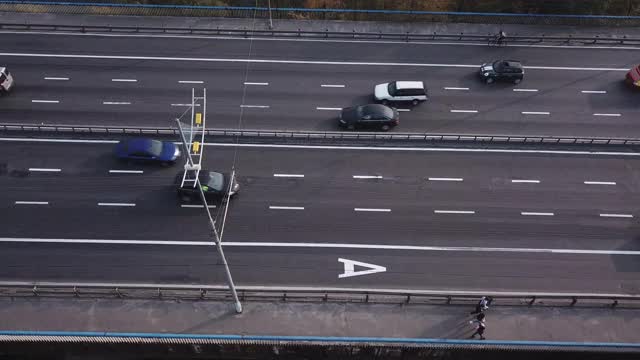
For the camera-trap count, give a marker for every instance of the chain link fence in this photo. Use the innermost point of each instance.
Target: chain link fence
(463, 12)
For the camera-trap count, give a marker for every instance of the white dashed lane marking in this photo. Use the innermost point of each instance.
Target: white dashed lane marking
(190, 82)
(44, 170)
(516, 181)
(470, 212)
(367, 176)
(456, 88)
(126, 171)
(445, 179)
(117, 204)
(332, 85)
(32, 203)
(116, 103)
(257, 83)
(197, 206)
(599, 182)
(525, 90)
(286, 207)
(372, 210)
(464, 111)
(124, 80)
(593, 92)
(52, 78)
(255, 106)
(611, 114)
(46, 101)
(289, 175)
(617, 215)
(327, 108)
(535, 113)
(527, 213)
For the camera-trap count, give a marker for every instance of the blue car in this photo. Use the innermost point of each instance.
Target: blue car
(147, 150)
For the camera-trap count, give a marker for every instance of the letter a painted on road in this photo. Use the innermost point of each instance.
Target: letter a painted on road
(349, 268)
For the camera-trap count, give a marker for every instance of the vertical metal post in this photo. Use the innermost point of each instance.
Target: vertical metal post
(270, 18)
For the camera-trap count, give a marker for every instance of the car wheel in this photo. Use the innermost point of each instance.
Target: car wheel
(489, 80)
(351, 127)
(415, 102)
(385, 102)
(385, 127)
(517, 81)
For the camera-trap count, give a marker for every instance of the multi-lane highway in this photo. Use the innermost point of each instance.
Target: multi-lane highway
(435, 220)
(302, 85)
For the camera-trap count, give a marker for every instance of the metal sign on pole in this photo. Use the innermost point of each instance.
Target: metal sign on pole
(192, 136)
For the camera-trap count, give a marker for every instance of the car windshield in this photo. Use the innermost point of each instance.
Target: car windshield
(497, 66)
(155, 147)
(375, 111)
(215, 181)
(392, 88)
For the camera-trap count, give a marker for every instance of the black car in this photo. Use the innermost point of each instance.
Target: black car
(215, 185)
(504, 70)
(372, 116)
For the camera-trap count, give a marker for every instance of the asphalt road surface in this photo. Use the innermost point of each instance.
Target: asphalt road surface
(434, 220)
(302, 85)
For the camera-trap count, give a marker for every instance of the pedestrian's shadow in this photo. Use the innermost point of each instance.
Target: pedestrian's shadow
(455, 327)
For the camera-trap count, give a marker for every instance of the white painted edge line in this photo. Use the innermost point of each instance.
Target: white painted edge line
(445, 179)
(126, 171)
(198, 206)
(32, 203)
(332, 86)
(56, 78)
(535, 113)
(286, 207)
(454, 211)
(464, 111)
(327, 108)
(257, 83)
(371, 209)
(516, 181)
(593, 91)
(401, 110)
(255, 106)
(456, 88)
(116, 103)
(600, 183)
(124, 80)
(289, 175)
(116, 204)
(617, 215)
(190, 82)
(525, 90)
(612, 114)
(325, 246)
(46, 101)
(44, 170)
(367, 176)
(526, 213)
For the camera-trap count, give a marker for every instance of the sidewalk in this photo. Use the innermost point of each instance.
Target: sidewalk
(504, 323)
(318, 25)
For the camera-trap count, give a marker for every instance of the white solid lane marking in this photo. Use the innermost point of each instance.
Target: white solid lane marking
(599, 182)
(190, 82)
(454, 211)
(327, 108)
(116, 204)
(403, 110)
(525, 181)
(332, 86)
(325, 246)
(535, 113)
(197, 206)
(527, 213)
(126, 171)
(350, 265)
(367, 176)
(56, 78)
(617, 215)
(456, 88)
(372, 209)
(45, 170)
(116, 103)
(32, 203)
(289, 175)
(525, 90)
(311, 62)
(611, 114)
(593, 91)
(255, 106)
(124, 80)
(351, 148)
(445, 179)
(46, 101)
(464, 111)
(257, 83)
(286, 207)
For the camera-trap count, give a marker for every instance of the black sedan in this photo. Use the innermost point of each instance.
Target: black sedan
(370, 116)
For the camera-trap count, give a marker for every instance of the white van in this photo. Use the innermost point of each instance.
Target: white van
(6, 80)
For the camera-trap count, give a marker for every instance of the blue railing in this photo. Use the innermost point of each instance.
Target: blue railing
(323, 11)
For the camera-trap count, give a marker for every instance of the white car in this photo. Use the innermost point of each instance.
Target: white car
(6, 80)
(400, 91)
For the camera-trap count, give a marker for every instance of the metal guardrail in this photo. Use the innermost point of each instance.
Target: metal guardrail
(308, 294)
(320, 135)
(298, 33)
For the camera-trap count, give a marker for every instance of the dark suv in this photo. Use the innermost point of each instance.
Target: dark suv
(505, 70)
(215, 185)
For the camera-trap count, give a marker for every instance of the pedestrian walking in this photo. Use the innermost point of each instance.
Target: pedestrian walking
(482, 305)
(479, 328)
